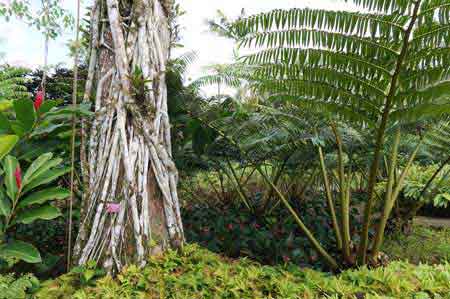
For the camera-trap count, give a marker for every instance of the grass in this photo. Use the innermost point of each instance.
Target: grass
(422, 245)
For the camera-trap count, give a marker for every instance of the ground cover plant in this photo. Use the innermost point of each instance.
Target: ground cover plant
(297, 170)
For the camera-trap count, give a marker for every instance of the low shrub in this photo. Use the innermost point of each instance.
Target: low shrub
(421, 245)
(269, 237)
(198, 273)
(12, 287)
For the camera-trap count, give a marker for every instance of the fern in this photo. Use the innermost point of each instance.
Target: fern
(392, 51)
(12, 83)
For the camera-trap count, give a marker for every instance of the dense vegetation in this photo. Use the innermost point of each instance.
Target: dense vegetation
(304, 181)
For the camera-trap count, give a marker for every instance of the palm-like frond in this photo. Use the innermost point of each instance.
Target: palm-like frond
(12, 83)
(437, 141)
(391, 54)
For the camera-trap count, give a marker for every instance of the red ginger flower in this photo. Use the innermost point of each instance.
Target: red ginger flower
(38, 100)
(18, 175)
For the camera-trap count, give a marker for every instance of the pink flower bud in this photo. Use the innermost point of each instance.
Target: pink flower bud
(18, 175)
(38, 100)
(113, 208)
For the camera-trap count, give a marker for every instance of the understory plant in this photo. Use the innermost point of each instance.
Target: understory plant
(196, 273)
(24, 199)
(376, 68)
(29, 173)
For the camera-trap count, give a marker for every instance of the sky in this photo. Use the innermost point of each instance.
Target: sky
(24, 46)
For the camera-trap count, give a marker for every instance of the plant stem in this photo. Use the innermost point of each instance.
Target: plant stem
(345, 203)
(362, 250)
(327, 257)
(388, 196)
(329, 195)
(390, 201)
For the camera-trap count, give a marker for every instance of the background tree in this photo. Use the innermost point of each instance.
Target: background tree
(131, 208)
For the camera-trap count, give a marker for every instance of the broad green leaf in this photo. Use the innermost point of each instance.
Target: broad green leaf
(44, 168)
(5, 126)
(25, 113)
(22, 251)
(5, 105)
(5, 204)
(17, 128)
(38, 163)
(48, 128)
(7, 143)
(81, 110)
(9, 166)
(46, 212)
(47, 106)
(46, 177)
(44, 195)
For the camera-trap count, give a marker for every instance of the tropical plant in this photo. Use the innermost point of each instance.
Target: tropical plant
(28, 129)
(439, 190)
(23, 200)
(12, 85)
(384, 64)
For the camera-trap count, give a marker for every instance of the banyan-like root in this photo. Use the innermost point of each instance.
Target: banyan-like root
(130, 209)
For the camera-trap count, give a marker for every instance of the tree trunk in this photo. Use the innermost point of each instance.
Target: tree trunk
(130, 207)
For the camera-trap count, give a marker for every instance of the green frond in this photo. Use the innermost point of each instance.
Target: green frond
(427, 111)
(437, 140)
(352, 110)
(386, 6)
(12, 83)
(434, 57)
(354, 82)
(436, 92)
(181, 63)
(312, 38)
(430, 36)
(344, 22)
(318, 58)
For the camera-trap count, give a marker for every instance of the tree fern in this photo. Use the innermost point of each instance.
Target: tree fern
(385, 63)
(12, 83)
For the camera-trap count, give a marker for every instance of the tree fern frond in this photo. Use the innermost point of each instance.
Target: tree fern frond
(342, 21)
(316, 58)
(12, 83)
(355, 82)
(311, 38)
(386, 6)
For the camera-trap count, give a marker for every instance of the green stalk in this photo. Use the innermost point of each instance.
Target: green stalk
(388, 195)
(362, 250)
(345, 203)
(325, 255)
(390, 201)
(237, 185)
(329, 195)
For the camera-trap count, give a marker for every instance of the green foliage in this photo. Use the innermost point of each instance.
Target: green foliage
(418, 177)
(268, 236)
(421, 245)
(17, 288)
(12, 85)
(22, 202)
(197, 273)
(51, 19)
(351, 62)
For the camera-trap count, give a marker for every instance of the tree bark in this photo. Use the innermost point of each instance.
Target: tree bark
(130, 208)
